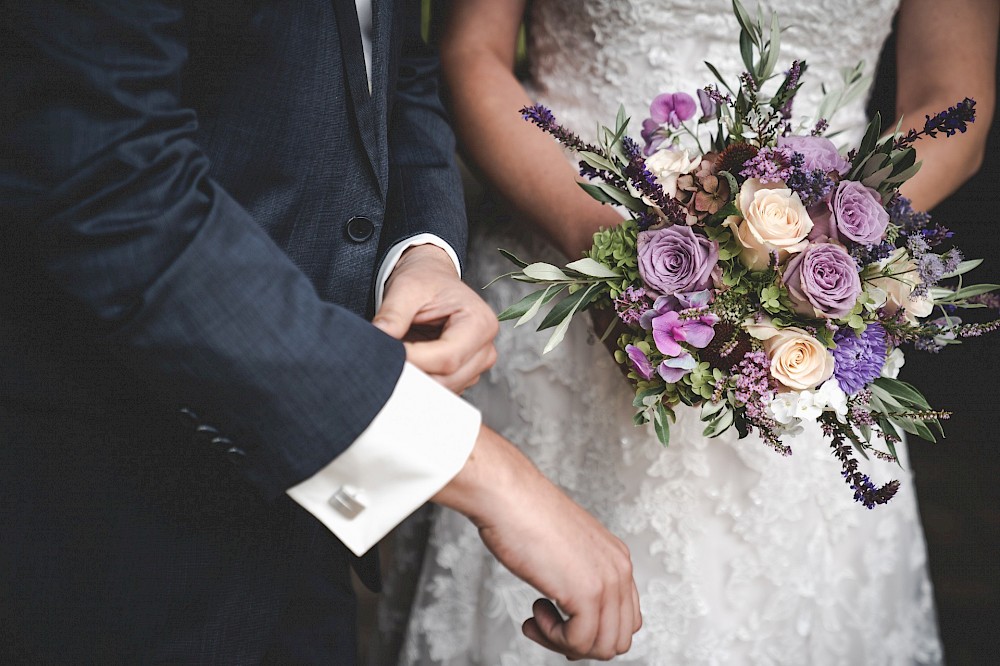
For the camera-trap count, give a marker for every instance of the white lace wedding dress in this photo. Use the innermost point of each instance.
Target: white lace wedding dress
(741, 556)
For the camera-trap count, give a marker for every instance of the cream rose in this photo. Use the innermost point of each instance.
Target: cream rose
(667, 165)
(774, 220)
(798, 360)
(898, 285)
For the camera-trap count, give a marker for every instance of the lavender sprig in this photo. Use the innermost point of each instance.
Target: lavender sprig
(643, 180)
(955, 119)
(544, 119)
(865, 491)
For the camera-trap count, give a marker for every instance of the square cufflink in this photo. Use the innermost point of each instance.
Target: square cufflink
(348, 500)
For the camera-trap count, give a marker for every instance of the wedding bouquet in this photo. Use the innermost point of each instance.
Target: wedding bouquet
(769, 279)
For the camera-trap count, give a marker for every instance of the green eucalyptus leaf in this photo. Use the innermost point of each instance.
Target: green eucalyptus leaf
(907, 393)
(661, 423)
(524, 305)
(545, 272)
(596, 192)
(963, 268)
(560, 331)
(550, 292)
(597, 161)
(974, 290)
(510, 257)
(591, 268)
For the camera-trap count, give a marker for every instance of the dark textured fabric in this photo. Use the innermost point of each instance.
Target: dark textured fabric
(182, 313)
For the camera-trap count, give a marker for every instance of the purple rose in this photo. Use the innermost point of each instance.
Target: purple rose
(672, 108)
(676, 259)
(859, 213)
(823, 281)
(820, 153)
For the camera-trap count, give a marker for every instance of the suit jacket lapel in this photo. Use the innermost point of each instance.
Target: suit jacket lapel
(363, 102)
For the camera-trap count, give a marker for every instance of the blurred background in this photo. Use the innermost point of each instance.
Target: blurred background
(957, 478)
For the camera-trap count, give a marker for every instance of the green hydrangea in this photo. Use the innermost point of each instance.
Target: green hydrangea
(615, 248)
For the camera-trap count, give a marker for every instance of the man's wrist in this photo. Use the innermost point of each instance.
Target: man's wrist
(396, 252)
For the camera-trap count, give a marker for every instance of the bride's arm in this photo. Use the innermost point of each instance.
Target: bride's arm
(527, 167)
(946, 51)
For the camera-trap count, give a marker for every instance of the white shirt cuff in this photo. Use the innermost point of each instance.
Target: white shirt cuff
(415, 445)
(397, 250)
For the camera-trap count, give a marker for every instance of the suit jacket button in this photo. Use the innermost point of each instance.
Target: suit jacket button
(204, 434)
(222, 442)
(359, 229)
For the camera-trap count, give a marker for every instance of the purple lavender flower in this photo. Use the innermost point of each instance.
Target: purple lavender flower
(544, 119)
(817, 152)
(858, 359)
(754, 384)
(631, 304)
(813, 187)
(640, 362)
(672, 108)
(823, 281)
(643, 179)
(955, 119)
(676, 259)
(771, 165)
(858, 212)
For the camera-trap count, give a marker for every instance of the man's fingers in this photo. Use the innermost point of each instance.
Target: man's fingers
(397, 312)
(463, 337)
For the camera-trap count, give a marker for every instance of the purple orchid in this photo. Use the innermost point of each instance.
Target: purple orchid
(669, 330)
(652, 135)
(672, 369)
(672, 108)
(640, 362)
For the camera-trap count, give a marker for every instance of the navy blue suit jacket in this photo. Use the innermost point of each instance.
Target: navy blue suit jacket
(195, 197)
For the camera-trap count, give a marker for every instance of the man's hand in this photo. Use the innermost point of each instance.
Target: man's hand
(447, 329)
(547, 540)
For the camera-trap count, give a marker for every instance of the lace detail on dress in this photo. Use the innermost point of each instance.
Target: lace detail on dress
(588, 57)
(740, 555)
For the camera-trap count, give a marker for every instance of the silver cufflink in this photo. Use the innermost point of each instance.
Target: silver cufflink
(348, 500)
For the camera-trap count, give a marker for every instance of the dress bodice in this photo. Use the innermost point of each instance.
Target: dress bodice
(588, 57)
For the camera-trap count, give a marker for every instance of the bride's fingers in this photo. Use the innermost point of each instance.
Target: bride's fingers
(637, 611)
(625, 623)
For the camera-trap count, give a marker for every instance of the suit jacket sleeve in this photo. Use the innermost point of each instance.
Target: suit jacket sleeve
(104, 191)
(425, 191)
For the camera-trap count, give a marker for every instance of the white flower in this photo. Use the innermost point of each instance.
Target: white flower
(831, 398)
(667, 165)
(782, 407)
(772, 219)
(893, 362)
(899, 284)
